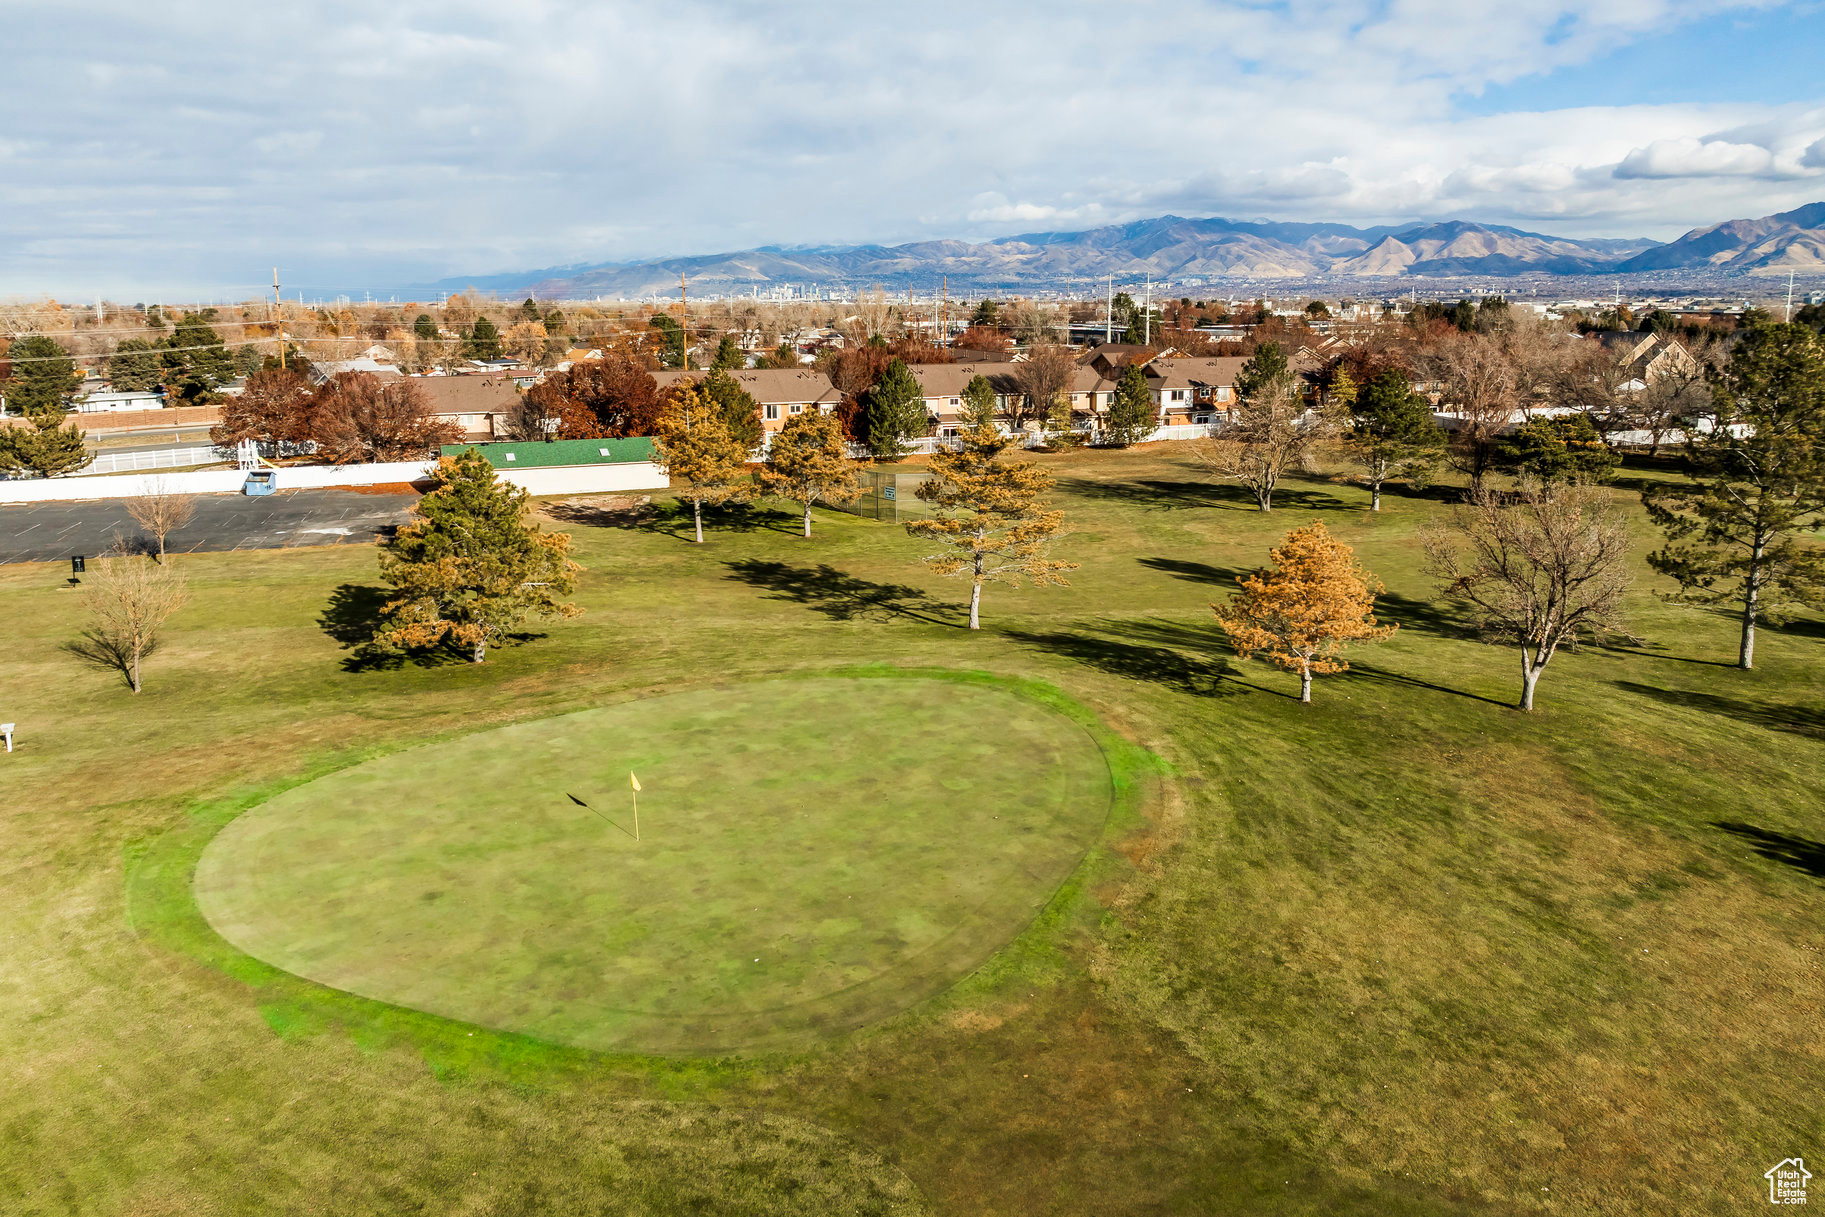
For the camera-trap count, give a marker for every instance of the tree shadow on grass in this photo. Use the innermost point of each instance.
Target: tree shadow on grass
(1798, 852)
(675, 520)
(1383, 676)
(1423, 616)
(104, 652)
(1192, 572)
(840, 595)
(1163, 494)
(1169, 654)
(1160, 494)
(610, 512)
(1800, 720)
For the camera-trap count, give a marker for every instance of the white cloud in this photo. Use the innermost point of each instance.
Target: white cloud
(356, 144)
(1666, 158)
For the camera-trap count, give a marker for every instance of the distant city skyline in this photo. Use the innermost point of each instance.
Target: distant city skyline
(188, 149)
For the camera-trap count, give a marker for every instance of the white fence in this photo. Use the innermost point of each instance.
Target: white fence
(152, 458)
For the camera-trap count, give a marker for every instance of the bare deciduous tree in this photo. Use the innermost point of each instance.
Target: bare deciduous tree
(1042, 376)
(129, 600)
(162, 512)
(1477, 388)
(1269, 435)
(1544, 568)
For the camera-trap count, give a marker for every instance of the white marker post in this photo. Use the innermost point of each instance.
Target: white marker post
(6, 729)
(632, 781)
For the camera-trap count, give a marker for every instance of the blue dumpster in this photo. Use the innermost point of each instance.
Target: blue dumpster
(261, 481)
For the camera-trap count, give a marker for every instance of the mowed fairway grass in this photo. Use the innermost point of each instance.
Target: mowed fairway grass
(1401, 951)
(813, 855)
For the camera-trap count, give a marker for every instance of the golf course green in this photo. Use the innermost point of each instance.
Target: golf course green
(813, 855)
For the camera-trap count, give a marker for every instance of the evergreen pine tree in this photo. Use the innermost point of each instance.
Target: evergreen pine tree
(134, 366)
(1758, 483)
(739, 412)
(728, 355)
(484, 340)
(470, 568)
(979, 401)
(896, 413)
(43, 378)
(1131, 416)
(1390, 433)
(197, 361)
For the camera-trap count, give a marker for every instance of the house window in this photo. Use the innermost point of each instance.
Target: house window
(1222, 392)
(797, 408)
(772, 413)
(1178, 395)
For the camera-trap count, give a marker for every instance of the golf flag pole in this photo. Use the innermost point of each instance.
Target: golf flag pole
(634, 782)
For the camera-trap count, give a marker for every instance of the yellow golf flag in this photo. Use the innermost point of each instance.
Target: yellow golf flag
(632, 780)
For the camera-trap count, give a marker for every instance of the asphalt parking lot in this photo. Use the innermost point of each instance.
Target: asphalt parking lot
(52, 532)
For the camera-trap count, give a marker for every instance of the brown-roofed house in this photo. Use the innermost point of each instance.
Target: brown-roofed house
(1193, 390)
(477, 404)
(779, 392)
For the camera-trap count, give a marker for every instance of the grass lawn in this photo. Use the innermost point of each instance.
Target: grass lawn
(1404, 950)
(814, 855)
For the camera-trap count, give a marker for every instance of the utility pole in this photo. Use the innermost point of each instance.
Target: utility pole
(684, 321)
(944, 282)
(278, 316)
(1788, 317)
(1109, 313)
(1147, 313)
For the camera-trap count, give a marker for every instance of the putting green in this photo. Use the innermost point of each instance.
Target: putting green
(814, 855)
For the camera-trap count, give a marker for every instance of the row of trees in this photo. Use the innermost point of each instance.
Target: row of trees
(1545, 565)
(352, 417)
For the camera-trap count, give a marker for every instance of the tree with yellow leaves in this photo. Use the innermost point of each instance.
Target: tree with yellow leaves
(694, 446)
(808, 462)
(1303, 612)
(991, 520)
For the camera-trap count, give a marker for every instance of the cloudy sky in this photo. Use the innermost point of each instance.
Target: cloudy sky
(186, 147)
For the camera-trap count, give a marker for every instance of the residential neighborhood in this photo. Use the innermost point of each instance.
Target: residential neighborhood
(1194, 609)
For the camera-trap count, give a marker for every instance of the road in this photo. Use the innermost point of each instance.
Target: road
(52, 532)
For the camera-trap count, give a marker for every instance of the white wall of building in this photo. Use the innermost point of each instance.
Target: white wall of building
(560, 479)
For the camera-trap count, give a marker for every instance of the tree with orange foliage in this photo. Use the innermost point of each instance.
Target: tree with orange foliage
(357, 417)
(273, 409)
(613, 396)
(1302, 612)
(981, 338)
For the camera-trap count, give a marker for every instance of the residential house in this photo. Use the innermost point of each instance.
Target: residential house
(119, 401)
(322, 371)
(1197, 390)
(779, 392)
(479, 405)
(1111, 358)
(1644, 357)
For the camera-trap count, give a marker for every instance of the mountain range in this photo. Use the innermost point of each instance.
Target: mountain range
(1175, 249)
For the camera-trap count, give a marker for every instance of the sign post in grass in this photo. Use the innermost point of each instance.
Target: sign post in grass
(635, 783)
